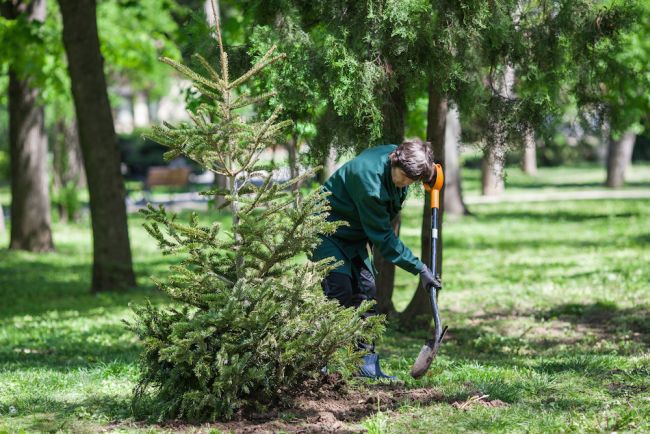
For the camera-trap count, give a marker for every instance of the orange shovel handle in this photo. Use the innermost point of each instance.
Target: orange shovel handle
(434, 188)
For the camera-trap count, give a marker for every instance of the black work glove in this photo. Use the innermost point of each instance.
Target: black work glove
(428, 279)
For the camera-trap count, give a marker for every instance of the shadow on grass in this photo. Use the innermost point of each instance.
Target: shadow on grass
(605, 317)
(37, 284)
(643, 239)
(65, 349)
(576, 351)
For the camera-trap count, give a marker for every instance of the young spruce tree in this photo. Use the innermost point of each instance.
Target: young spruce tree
(250, 322)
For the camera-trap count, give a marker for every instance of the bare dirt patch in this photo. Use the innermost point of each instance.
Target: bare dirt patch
(332, 407)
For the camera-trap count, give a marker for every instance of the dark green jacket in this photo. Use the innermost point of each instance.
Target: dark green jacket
(363, 194)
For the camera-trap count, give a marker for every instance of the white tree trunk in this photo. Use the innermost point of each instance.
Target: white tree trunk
(603, 142)
(492, 167)
(493, 164)
(453, 196)
(529, 159)
(141, 110)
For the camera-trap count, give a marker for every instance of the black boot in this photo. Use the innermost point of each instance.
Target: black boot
(372, 369)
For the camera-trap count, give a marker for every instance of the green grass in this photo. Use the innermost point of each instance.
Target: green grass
(548, 307)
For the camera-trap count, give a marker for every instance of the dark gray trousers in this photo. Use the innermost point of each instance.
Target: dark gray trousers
(352, 291)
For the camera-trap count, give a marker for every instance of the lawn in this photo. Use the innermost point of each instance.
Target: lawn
(547, 304)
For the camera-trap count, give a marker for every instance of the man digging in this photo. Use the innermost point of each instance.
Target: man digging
(367, 192)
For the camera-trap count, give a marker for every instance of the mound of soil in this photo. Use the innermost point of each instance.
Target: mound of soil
(326, 407)
(331, 407)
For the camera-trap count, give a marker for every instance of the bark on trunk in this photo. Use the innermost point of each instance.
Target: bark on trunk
(394, 110)
(328, 166)
(112, 266)
(30, 199)
(603, 140)
(292, 151)
(493, 164)
(492, 167)
(2, 226)
(67, 164)
(619, 157)
(385, 279)
(529, 158)
(420, 306)
(221, 182)
(453, 204)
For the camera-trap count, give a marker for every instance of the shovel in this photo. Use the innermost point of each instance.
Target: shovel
(430, 348)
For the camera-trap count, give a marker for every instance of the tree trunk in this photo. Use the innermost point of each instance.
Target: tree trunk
(492, 167)
(619, 157)
(221, 182)
(30, 198)
(112, 265)
(394, 111)
(436, 130)
(328, 166)
(493, 164)
(529, 159)
(292, 151)
(67, 164)
(140, 107)
(453, 204)
(604, 139)
(2, 225)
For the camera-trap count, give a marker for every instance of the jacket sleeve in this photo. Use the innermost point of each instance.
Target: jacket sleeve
(376, 223)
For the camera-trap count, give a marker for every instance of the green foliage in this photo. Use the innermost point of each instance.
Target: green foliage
(4, 165)
(67, 200)
(34, 50)
(621, 65)
(251, 323)
(133, 36)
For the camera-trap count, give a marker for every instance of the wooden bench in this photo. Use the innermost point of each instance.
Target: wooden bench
(167, 176)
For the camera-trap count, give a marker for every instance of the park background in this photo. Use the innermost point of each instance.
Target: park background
(538, 111)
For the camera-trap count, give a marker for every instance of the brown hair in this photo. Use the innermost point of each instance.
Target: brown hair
(415, 158)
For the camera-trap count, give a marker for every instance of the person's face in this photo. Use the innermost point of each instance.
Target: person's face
(399, 178)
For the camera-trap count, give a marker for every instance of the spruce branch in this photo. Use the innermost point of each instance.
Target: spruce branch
(213, 73)
(244, 101)
(265, 61)
(261, 133)
(189, 73)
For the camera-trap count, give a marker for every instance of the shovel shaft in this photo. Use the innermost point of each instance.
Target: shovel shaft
(434, 191)
(430, 349)
(433, 292)
(434, 241)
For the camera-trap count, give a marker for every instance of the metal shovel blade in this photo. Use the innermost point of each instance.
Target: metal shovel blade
(424, 359)
(427, 354)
